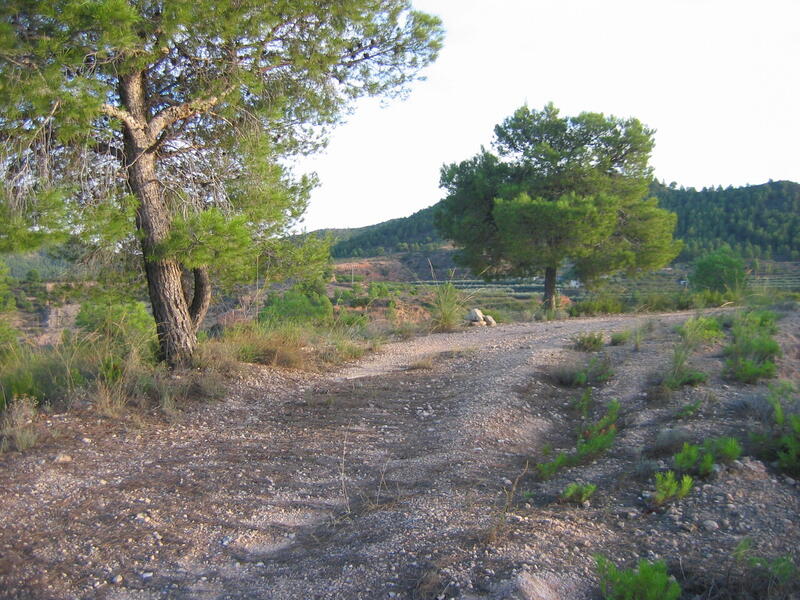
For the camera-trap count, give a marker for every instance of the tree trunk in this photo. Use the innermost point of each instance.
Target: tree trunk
(201, 299)
(549, 288)
(174, 325)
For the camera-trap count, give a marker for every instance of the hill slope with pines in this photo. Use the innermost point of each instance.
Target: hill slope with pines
(757, 221)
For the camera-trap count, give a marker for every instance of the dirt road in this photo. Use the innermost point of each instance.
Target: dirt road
(401, 476)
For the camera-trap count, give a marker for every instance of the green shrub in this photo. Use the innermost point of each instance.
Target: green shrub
(583, 403)
(777, 576)
(45, 374)
(377, 289)
(721, 271)
(701, 460)
(448, 307)
(679, 373)
(597, 305)
(17, 427)
(700, 329)
(297, 306)
(725, 449)
(748, 371)
(688, 410)
(588, 341)
(660, 302)
(592, 441)
(668, 489)
(596, 372)
(649, 581)
(8, 338)
(752, 352)
(781, 442)
(578, 493)
(619, 338)
(686, 460)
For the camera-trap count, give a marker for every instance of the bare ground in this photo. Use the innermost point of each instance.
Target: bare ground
(403, 475)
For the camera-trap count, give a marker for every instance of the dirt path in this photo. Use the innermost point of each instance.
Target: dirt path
(374, 482)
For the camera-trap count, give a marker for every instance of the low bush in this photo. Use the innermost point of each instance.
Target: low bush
(297, 305)
(17, 429)
(700, 460)
(588, 341)
(578, 493)
(596, 372)
(592, 441)
(620, 338)
(688, 410)
(649, 581)
(752, 351)
(669, 489)
(46, 374)
(697, 330)
(771, 578)
(448, 308)
(680, 373)
(597, 305)
(781, 441)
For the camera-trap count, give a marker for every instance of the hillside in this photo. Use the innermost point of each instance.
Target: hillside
(758, 221)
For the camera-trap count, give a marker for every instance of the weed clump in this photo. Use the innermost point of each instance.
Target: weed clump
(596, 372)
(649, 581)
(588, 341)
(753, 350)
(578, 493)
(447, 307)
(669, 489)
(781, 442)
(619, 338)
(593, 440)
(17, 428)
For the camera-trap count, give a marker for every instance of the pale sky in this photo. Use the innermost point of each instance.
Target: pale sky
(719, 80)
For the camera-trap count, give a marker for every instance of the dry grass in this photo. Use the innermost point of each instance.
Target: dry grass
(423, 364)
(18, 429)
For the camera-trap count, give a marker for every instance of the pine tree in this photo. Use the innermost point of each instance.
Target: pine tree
(160, 123)
(562, 188)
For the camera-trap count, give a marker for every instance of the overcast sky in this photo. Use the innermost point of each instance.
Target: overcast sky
(719, 80)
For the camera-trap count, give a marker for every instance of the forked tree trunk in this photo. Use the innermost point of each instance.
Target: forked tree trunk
(176, 318)
(549, 301)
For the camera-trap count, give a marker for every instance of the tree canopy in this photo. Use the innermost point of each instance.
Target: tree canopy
(174, 119)
(558, 189)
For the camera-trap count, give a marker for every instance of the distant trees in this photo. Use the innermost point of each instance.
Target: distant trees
(407, 234)
(159, 126)
(757, 221)
(560, 188)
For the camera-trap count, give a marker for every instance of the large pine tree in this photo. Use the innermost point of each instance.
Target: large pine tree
(170, 117)
(559, 189)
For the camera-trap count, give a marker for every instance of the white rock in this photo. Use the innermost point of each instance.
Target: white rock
(475, 315)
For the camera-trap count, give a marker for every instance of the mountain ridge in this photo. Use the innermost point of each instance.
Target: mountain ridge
(757, 221)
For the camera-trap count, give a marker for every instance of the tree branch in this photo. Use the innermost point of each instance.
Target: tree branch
(172, 114)
(136, 128)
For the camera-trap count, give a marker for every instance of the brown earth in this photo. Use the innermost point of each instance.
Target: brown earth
(401, 476)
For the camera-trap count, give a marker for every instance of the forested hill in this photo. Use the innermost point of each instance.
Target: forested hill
(758, 221)
(398, 235)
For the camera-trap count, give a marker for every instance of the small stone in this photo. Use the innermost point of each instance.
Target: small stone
(507, 482)
(63, 458)
(116, 579)
(710, 525)
(789, 480)
(86, 440)
(147, 575)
